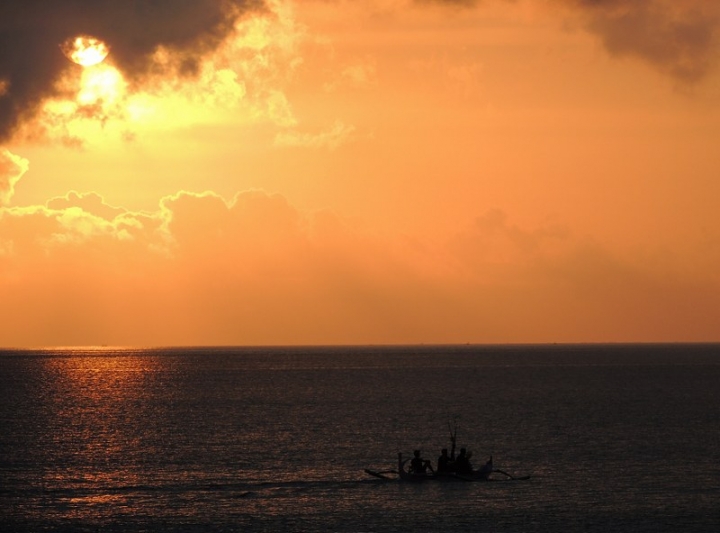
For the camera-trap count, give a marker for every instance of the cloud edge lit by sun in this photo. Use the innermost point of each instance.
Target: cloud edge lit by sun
(85, 50)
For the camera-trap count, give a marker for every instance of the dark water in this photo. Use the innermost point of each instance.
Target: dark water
(617, 438)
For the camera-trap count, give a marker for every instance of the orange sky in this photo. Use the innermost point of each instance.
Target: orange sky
(374, 171)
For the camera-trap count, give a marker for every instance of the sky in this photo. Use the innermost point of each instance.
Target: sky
(359, 172)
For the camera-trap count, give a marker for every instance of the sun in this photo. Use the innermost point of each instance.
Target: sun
(85, 50)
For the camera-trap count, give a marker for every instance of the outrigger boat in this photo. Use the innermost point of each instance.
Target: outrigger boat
(428, 474)
(405, 475)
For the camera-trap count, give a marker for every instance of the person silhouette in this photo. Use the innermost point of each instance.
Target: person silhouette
(418, 465)
(462, 463)
(443, 463)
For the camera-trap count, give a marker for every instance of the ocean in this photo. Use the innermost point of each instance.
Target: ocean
(615, 438)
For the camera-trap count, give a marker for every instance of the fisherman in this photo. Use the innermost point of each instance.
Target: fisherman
(418, 465)
(462, 463)
(444, 462)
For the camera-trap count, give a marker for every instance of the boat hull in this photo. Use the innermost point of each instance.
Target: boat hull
(405, 475)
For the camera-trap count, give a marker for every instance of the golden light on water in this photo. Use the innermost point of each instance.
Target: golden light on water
(85, 50)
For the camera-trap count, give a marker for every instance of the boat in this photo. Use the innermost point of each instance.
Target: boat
(475, 475)
(484, 473)
(403, 474)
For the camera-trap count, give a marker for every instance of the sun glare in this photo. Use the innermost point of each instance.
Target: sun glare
(85, 50)
(101, 83)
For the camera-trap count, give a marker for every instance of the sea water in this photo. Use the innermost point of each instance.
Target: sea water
(615, 438)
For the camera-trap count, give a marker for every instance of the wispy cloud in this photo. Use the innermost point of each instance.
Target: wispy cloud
(12, 168)
(333, 137)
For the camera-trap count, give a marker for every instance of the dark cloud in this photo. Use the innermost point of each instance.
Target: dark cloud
(678, 37)
(31, 32)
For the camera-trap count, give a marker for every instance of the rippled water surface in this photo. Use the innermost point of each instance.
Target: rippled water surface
(616, 438)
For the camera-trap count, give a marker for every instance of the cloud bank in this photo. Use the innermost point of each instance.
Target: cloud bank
(255, 270)
(676, 37)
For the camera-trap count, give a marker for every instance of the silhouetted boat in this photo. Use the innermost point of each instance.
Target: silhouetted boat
(449, 472)
(405, 475)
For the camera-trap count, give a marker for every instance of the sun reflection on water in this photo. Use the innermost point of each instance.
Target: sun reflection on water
(96, 417)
